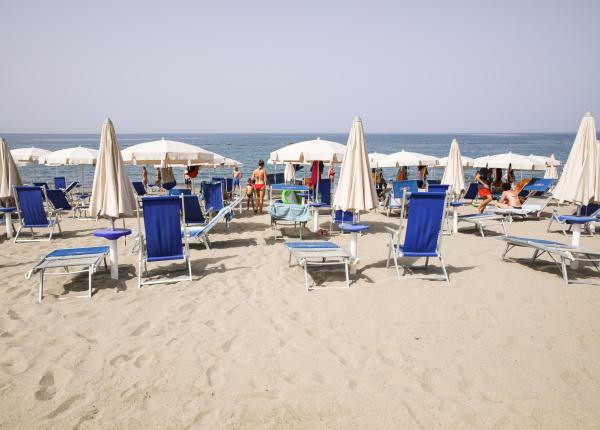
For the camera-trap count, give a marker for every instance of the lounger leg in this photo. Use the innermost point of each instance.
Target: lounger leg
(444, 269)
(305, 275)
(387, 263)
(481, 230)
(189, 261)
(41, 290)
(535, 255)
(140, 274)
(396, 265)
(565, 274)
(17, 234)
(90, 271)
(347, 276)
(426, 261)
(503, 227)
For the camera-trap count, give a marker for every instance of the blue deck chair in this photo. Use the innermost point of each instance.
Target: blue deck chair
(423, 231)
(60, 183)
(193, 212)
(58, 200)
(163, 236)
(592, 209)
(472, 192)
(212, 193)
(536, 187)
(437, 188)
(41, 184)
(397, 197)
(180, 192)
(339, 216)
(139, 188)
(201, 232)
(434, 181)
(70, 188)
(32, 215)
(229, 185)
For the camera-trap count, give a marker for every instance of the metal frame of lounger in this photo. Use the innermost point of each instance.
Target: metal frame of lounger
(143, 255)
(556, 217)
(69, 257)
(478, 221)
(52, 219)
(201, 232)
(275, 221)
(532, 207)
(318, 254)
(565, 252)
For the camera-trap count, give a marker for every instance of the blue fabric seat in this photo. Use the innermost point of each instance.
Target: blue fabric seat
(58, 200)
(437, 188)
(139, 188)
(162, 240)
(212, 193)
(423, 231)
(32, 214)
(472, 192)
(565, 222)
(339, 216)
(60, 183)
(180, 192)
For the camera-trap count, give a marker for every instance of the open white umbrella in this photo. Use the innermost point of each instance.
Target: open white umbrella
(506, 160)
(375, 158)
(466, 161)
(551, 171)
(578, 181)
(112, 192)
(76, 156)
(355, 190)
(310, 150)
(406, 158)
(542, 162)
(166, 153)
(30, 155)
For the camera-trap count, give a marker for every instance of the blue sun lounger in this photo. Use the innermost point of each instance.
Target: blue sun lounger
(318, 253)
(423, 231)
(560, 253)
(200, 232)
(590, 210)
(90, 258)
(162, 238)
(32, 214)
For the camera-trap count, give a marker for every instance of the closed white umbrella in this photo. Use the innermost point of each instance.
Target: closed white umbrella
(551, 171)
(112, 192)
(29, 155)
(9, 174)
(506, 160)
(406, 158)
(166, 152)
(466, 161)
(310, 150)
(289, 174)
(453, 173)
(355, 190)
(375, 158)
(578, 182)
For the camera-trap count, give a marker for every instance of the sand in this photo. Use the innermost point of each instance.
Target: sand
(506, 345)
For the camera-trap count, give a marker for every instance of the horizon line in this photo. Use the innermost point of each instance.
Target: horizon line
(295, 132)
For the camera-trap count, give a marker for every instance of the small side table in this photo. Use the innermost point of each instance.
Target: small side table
(112, 235)
(354, 229)
(576, 222)
(8, 220)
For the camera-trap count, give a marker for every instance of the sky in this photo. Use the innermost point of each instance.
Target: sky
(305, 66)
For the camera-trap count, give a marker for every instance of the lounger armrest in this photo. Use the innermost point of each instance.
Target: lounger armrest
(392, 231)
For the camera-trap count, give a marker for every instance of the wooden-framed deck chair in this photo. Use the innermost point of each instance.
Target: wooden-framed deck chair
(32, 214)
(560, 253)
(564, 221)
(423, 232)
(87, 258)
(318, 253)
(161, 239)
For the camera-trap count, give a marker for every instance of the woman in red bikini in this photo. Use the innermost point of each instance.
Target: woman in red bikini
(259, 177)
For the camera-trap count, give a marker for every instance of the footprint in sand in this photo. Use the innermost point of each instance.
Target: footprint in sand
(65, 406)
(47, 389)
(141, 329)
(119, 358)
(227, 345)
(143, 360)
(13, 315)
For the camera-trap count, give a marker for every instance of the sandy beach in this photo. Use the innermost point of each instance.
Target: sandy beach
(506, 345)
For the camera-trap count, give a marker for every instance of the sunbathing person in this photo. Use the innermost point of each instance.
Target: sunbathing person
(509, 198)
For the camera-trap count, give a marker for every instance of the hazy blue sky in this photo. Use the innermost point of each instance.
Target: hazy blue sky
(302, 66)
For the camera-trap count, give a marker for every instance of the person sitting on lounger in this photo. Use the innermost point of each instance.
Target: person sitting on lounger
(509, 198)
(484, 179)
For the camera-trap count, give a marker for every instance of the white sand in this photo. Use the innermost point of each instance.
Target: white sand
(506, 345)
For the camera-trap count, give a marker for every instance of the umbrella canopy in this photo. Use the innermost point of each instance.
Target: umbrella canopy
(78, 155)
(9, 174)
(543, 162)
(454, 175)
(112, 192)
(355, 190)
(220, 161)
(503, 161)
(289, 174)
(375, 158)
(166, 152)
(578, 181)
(310, 150)
(28, 155)
(466, 161)
(405, 158)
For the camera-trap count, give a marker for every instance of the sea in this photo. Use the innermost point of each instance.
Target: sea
(249, 148)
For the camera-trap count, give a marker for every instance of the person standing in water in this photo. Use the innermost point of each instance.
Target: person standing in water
(237, 176)
(259, 176)
(145, 176)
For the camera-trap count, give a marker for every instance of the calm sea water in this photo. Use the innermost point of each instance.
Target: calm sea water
(249, 148)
